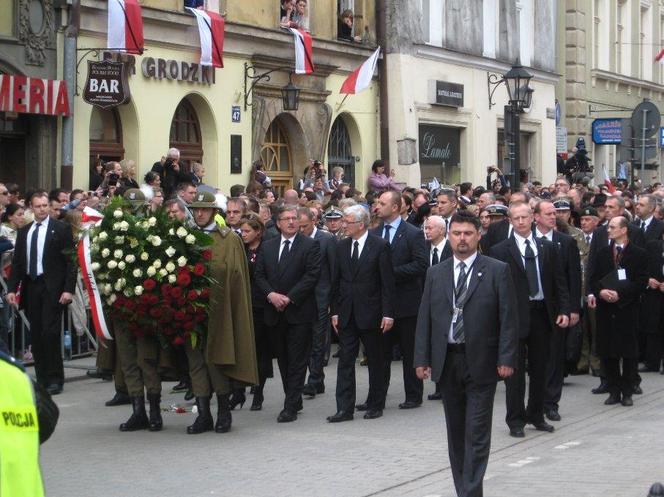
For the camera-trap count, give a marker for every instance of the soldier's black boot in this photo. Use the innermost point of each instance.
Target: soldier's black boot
(156, 422)
(204, 421)
(224, 418)
(138, 420)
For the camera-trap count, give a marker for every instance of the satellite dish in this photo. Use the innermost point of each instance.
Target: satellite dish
(653, 119)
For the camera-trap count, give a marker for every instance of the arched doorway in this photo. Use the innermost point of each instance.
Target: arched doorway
(339, 153)
(276, 156)
(105, 136)
(186, 134)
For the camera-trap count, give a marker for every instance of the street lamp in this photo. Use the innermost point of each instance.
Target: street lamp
(290, 95)
(517, 81)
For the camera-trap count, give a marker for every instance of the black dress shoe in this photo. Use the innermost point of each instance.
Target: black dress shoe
(627, 401)
(373, 414)
(409, 404)
(100, 374)
(309, 390)
(119, 399)
(181, 387)
(552, 414)
(362, 407)
(189, 395)
(435, 396)
(517, 432)
(54, 389)
(286, 416)
(340, 417)
(637, 390)
(601, 389)
(543, 426)
(612, 400)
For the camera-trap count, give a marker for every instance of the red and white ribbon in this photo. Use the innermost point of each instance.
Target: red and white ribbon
(304, 52)
(211, 32)
(96, 309)
(125, 26)
(360, 78)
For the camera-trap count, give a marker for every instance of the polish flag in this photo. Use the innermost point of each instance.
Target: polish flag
(125, 26)
(660, 56)
(360, 78)
(607, 180)
(304, 52)
(211, 31)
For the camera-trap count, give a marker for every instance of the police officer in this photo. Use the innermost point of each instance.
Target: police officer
(332, 218)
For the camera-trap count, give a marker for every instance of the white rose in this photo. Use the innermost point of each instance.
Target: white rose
(119, 240)
(190, 239)
(138, 290)
(171, 232)
(170, 251)
(157, 263)
(182, 261)
(95, 239)
(144, 256)
(112, 299)
(128, 292)
(170, 267)
(172, 278)
(122, 265)
(152, 221)
(133, 243)
(151, 271)
(109, 288)
(124, 226)
(116, 226)
(103, 236)
(118, 254)
(156, 241)
(163, 273)
(105, 252)
(130, 258)
(95, 266)
(117, 214)
(117, 286)
(112, 264)
(104, 290)
(137, 273)
(181, 232)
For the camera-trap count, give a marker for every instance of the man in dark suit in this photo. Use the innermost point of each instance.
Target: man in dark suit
(655, 298)
(287, 269)
(439, 250)
(447, 205)
(44, 267)
(409, 260)
(570, 260)
(652, 228)
(321, 328)
(467, 337)
(362, 304)
(543, 302)
(618, 279)
(501, 230)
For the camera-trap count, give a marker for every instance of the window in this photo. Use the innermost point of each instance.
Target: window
(276, 156)
(347, 28)
(526, 20)
(490, 22)
(339, 152)
(186, 134)
(105, 136)
(294, 14)
(433, 21)
(596, 33)
(645, 48)
(623, 35)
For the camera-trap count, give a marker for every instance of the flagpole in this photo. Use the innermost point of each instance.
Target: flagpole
(342, 102)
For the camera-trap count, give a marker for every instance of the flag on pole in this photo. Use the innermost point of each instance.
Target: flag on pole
(607, 180)
(360, 78)
(660, 56)
(125, 26)
(304, 52)
(211, 32)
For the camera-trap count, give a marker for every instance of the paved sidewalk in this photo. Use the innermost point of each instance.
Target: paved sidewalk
(595, 451)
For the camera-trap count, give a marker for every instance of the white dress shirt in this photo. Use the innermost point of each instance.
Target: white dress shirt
(440, 247)
(548, 236)
(41, 238)
(281, 245)
(521, 245)
(313, 233)
(647, 221)
(395, 226)
(469, 272)
(360, 244)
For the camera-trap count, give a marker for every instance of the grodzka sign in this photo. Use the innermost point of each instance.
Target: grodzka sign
(177, 71)
(107, 84)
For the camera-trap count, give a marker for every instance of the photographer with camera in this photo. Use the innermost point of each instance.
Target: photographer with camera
(170, 172)
(500, 180)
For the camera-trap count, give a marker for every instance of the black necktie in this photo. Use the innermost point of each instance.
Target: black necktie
(531, 270)
(33, 252)
(285, 250)
(434, 257)
(618, 254)
(643, 225)
(387, 233)
(588, 239)
(356, 253)
(459, 301)
(447, 225)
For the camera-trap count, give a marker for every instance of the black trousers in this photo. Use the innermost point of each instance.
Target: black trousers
(468, 415)
(403, 333)
(555, 369)
(319, 347)
(349, 344)
(292, 345)
(536, 348)
(45, 316)
(620, 382)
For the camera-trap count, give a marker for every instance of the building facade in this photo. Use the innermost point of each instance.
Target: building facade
(439, 57)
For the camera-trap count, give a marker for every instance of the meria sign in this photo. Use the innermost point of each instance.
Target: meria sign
(25, 95)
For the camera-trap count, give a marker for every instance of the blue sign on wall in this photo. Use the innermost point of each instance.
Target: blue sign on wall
(661, 137)
(607, 131)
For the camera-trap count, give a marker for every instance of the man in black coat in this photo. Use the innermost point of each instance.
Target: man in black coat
(44, 267)
(654, 321)
(543, 302)
(467, 337)
(409, 260)
(362, 307)
(570, 260)
(287, 269)
(502, 230)
(652, 228)
(618, 279)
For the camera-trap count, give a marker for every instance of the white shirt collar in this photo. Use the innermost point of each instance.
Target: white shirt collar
(440, 246)
(313, 233)
(548, 236)
(647, 221)
(468, 262)
(283, 239)
(521, 242)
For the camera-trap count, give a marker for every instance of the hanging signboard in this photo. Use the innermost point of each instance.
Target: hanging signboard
(25, 95)
(607, 131)
(107, 84)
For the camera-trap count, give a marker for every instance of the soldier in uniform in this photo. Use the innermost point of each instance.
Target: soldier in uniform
(333, 217)
(226, 357)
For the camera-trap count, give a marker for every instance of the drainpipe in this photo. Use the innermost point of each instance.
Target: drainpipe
(381, 26)
(70, 41)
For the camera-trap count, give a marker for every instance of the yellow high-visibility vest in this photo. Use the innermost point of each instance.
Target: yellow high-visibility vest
(19, 435)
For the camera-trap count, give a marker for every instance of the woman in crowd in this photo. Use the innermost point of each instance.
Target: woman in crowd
(12, 219)
(337, 178)
(252, 235)
(96, 175)
(128, 179)
(157, 199)
(379, 181)
(485, 221)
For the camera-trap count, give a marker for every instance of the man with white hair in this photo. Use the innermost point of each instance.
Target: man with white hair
(170, 172)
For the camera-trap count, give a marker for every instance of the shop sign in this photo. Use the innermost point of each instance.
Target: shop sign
(444, 93)
(561, 139)
(439, 144)
(107, 84)
(177, 71)
(25, 95)
(607, 131)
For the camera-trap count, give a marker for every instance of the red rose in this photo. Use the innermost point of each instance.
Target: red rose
(205, 293)
(166, 289)
(184, 279)
(153, 299)
(181, 302)
(130, 304)
(176, 292)
(145, 299)
(199, 318)
(192, 295)
(178, 341)
(199, 269)
(155, 312)
(188, 325)
(179, 315)
(149, 284)
(207, 255)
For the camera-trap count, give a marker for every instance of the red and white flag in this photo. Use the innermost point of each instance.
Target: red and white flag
(125, 26)
(607, 180)
(660, 56)
(360, 78)
(211, 31)
(304, 52)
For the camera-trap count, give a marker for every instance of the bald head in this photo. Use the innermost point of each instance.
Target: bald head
(434, 229)
(291, 196)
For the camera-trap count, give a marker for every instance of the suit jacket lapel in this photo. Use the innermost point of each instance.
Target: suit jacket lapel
(365, 250)
(449, 289)
(514, 251)
(475, 276)
(398, 234)
(282, 263)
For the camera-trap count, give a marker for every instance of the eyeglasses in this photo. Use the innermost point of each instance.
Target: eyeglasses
(350, 222)
(288, 219)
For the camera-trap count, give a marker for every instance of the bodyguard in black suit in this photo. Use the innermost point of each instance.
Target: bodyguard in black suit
(543, 302)
(362, 305)
(409, 260)
(287, 269)
(46, 271)
(467, 337)
(652, 228)
(654, 299)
